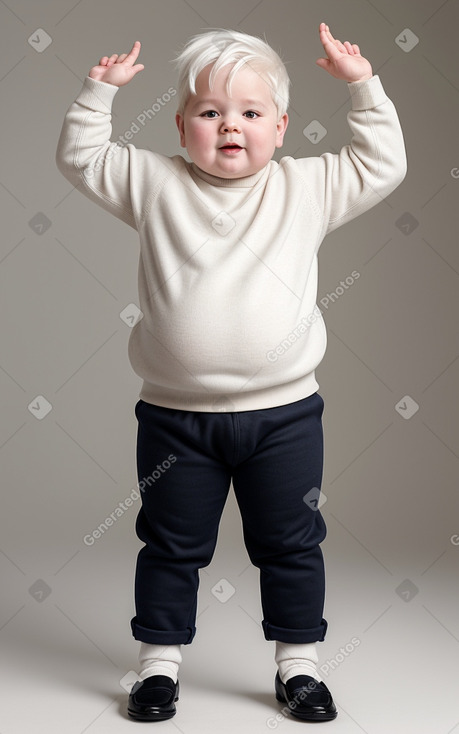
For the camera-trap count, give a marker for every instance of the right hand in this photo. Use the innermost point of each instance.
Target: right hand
(117, 70)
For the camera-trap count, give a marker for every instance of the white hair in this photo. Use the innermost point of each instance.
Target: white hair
(230, 47)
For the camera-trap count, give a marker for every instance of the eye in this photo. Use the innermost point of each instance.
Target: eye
(209, 112)
(251, 112)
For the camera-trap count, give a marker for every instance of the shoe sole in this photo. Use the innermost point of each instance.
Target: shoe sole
(308, 716)
(151, 716)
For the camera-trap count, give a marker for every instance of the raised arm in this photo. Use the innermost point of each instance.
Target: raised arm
(102, 170)
(364, 172)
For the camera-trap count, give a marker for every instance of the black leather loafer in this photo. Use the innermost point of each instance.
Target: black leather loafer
(153, 699)
(306, 698)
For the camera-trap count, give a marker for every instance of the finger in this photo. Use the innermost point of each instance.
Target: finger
(323, 63)
(341, 46)
(332, 50)
(326, 36)
(356, 48)
(134, 52)
(335, 41)
(330, 35)
(325, 27)
(103, 60)
(121, 58)
(348, 47)
(332, 46)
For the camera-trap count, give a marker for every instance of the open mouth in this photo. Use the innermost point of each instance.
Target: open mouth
(231, 148)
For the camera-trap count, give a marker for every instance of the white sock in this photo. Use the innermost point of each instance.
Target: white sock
(296, 659)
(159, 660)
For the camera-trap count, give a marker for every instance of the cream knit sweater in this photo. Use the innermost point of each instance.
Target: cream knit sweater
(228, 267)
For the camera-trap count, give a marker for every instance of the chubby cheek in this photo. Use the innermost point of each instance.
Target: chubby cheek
(197, 137)
(262, 145)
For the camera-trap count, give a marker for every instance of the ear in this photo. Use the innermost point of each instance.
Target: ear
(181, 128)
(281, 128)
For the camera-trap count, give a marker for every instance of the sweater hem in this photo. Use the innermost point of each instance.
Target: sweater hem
(270, 397)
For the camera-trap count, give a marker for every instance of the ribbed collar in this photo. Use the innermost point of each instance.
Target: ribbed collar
(240, 183)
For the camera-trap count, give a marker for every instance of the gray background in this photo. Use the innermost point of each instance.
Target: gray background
(67, 271)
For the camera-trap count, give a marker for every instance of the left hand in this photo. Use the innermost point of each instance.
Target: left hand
(344, 60)
(117, 70)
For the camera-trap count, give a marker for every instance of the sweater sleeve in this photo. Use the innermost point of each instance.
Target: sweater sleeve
(102, 170)
(367, 170)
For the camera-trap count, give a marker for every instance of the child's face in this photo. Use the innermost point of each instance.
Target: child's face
(248, 118)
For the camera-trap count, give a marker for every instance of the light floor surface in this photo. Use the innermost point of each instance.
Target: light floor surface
(401, 678)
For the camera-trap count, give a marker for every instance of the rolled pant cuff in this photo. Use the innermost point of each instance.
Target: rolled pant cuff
(162, 637)
(314, 634)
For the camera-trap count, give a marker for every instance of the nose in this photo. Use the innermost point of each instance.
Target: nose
(229, 127)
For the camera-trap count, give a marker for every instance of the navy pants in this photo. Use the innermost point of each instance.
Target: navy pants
(185, 463)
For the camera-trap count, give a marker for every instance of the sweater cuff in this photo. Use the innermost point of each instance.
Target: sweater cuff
(98, 96)
(367, 94)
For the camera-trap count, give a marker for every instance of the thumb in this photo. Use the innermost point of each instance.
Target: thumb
(323, 63)
(131, 73)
